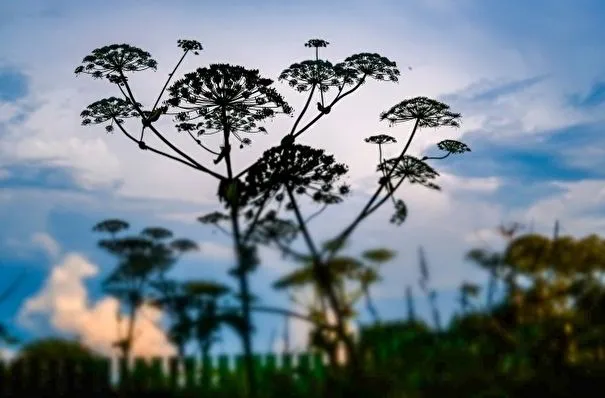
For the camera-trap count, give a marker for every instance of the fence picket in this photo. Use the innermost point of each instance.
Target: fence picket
(223, 370)
(139, 375)
(173, 373)
(156, 373)
(190, 373)
(207, 373)
(123, 373)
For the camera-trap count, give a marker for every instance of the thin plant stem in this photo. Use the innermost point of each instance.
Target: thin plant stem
(366, 210)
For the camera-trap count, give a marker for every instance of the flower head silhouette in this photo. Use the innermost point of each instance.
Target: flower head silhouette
(380, 139)
(304, 170)
(428, 113)
(108, 110)
(223, 96)
(113, 61)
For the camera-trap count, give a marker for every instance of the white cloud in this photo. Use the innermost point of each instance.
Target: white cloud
(578, 208)
(63, 301)
(216, 250)
(7, 111)
(484, 238)
(49, 134)
(47, 243)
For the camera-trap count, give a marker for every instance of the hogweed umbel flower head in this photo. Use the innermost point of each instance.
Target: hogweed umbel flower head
(223, 96)
(114, 61)
(427, 112)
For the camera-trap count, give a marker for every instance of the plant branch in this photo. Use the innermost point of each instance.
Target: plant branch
(256, 217)
(303, 227)
(336, 99)
(436, 157)
(316, 118)
(386, 197)
(290, 251)
(161, 137)
(284, 312)
(364, 212)
(304, 110)
(170, 75)
(325, 281)
(199, 142)
(155, 150)
(318, 212)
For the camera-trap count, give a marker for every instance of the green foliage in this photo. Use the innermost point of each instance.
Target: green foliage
(56, 349)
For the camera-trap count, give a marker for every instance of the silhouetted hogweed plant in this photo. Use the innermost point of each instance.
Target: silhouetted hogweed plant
(262, 203)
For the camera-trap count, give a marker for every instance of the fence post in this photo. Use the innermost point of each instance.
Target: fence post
(318, 366)
(156, 372)
(286, 362)
(303, 373)
(207, 373)
(139, 377)
(269, 367)
(223, 370)
(258, 370)
(240, 378)
(190, 379)
(123, 374)
(173, 373)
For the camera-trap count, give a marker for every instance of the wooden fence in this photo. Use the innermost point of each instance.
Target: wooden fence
(97, 378)
(102, 377)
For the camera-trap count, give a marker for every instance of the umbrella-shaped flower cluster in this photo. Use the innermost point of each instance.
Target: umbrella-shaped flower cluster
(412, 168)
(302, 169)
(108, 110)
(306, 74)
(222, 98)
(380, 139)
(427, 112)
(113, 61)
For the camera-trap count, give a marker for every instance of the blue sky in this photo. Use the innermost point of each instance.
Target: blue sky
(528, 78)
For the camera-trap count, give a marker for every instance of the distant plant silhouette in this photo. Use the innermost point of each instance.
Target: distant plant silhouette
(142, 258)
(196, 310)
(344, 270)
(232, 101)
